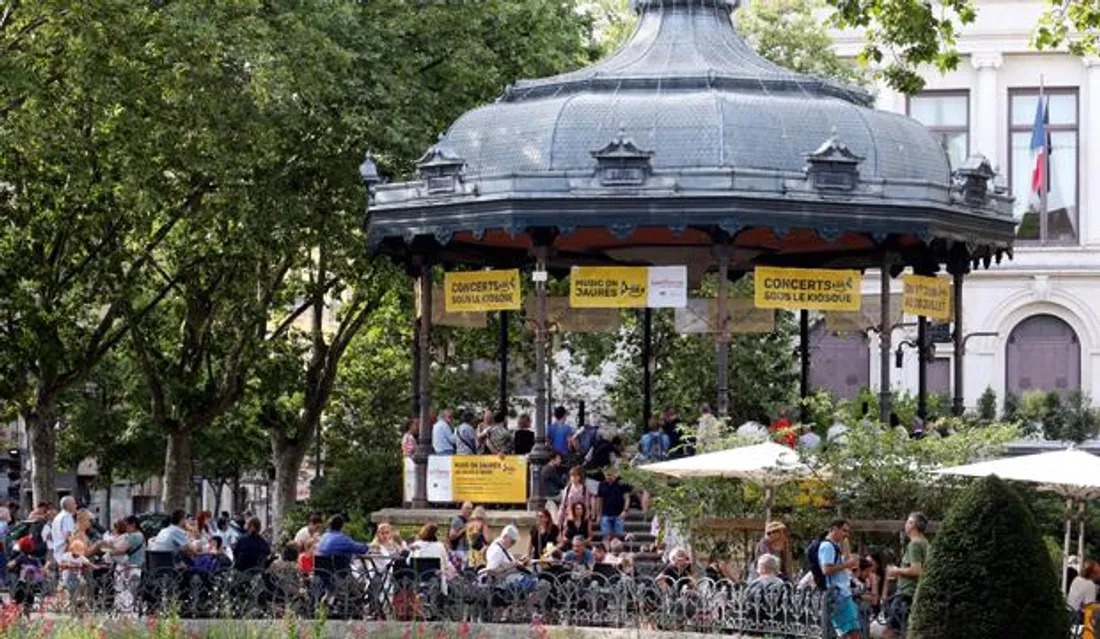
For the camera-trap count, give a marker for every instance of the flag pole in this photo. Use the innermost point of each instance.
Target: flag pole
(1044, 177)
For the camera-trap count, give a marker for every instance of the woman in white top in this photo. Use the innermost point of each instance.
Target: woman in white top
(1082, 590)
(428, 546)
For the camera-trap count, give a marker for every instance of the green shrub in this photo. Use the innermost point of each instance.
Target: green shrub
(989, 574)
(987, 405)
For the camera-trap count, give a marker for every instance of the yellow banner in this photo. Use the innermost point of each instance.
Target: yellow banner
(468, 291)
(488, 479)
(927, 296)
(809, 288)
(608, 286)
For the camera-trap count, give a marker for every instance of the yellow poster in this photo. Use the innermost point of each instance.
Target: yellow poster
(927, 296)
(468, 291)
(608, 286)
(809, 288)
(488, 479)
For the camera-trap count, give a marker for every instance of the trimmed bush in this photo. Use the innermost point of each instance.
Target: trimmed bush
(989, 574)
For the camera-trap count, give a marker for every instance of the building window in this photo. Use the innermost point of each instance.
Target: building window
(947, 115)
(1061, 216)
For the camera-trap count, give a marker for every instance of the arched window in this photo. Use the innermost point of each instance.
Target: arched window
(839, 363)
(1043, 354)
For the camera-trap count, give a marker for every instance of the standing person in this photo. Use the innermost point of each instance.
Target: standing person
(1082, 591)
(554, 476)
(5, 529)
(654, 445)
(583, 442)
(63, 525)
(408, 440)
(670, 423)
(498, 439)
(443, 439)
(708, 434)
(908, 575)
(456, 532)
(560, 433)
(776, 542)
(466, 435)
(837, 567)
(524, 437)
(576, 491)
(614, 500)
(128, 553)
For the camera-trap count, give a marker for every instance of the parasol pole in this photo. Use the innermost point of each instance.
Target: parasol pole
(1065, 542)
(1081, 529)
(768, 495)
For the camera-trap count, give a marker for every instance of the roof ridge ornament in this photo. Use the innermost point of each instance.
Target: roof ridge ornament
(440, 168)
(833, 166)
(622, 163)
(973, 178)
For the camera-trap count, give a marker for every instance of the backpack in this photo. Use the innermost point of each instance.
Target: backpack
(813, 561)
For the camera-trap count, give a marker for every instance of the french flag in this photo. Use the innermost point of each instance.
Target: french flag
(1040, 152)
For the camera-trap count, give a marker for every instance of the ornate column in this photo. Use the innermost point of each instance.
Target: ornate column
(885, 335)
(424, 440)
(1090, 147)
(722, 333)
(540, 453)
(502, 354)
(983, 116)
(958, 266)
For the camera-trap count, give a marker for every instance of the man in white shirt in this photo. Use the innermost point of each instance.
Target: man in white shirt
(1082, 590)
(500, 562)
(309, 533)
(62, 526)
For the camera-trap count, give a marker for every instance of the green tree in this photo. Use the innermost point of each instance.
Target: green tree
(989, 532)
(99, 162)
(790, 33)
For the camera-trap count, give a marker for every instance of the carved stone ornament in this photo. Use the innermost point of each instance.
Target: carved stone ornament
(622, 163)
(1040, 287)
(440, 169)
(833, 166)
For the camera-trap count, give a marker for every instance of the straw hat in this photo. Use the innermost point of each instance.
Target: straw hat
(774, 526)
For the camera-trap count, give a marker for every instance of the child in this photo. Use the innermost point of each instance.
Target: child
(28, 573)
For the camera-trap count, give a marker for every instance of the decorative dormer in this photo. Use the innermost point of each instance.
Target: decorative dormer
(973, 178)
(440, 169)
(368, 170)
(833, 166)
(622, 163)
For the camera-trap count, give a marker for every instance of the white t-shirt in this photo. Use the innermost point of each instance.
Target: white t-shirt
(429, 550)
(63, 525)
(1081, 591)
(497, 557)
(303, 535)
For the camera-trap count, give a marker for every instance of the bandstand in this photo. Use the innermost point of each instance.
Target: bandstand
(683, 148)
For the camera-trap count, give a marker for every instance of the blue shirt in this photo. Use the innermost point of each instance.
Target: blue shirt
(443, 440)
(586, 438)
(585, 559)
(559, 433)
(829, 555)
(336, 544)
(171, 539)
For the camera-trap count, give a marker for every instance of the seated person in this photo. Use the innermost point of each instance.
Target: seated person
(174, 538)
(500, 563)
(767, 576)
(677, 574)
(615, 552)
(579, 556)
(252, 550)
(27, 571)
(334, 543)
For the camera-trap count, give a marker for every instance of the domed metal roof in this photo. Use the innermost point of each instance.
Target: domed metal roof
(686, 127)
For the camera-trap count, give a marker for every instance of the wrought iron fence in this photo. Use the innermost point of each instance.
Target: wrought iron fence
(418, 591)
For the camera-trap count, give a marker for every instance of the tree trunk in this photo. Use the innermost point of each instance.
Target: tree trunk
(41, 425)
(288, 458)
(177, 470)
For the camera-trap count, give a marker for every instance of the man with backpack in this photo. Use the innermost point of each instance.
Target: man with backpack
(835, 567)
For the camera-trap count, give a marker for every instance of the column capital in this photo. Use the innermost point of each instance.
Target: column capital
(986, 60)
(1091, 61)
